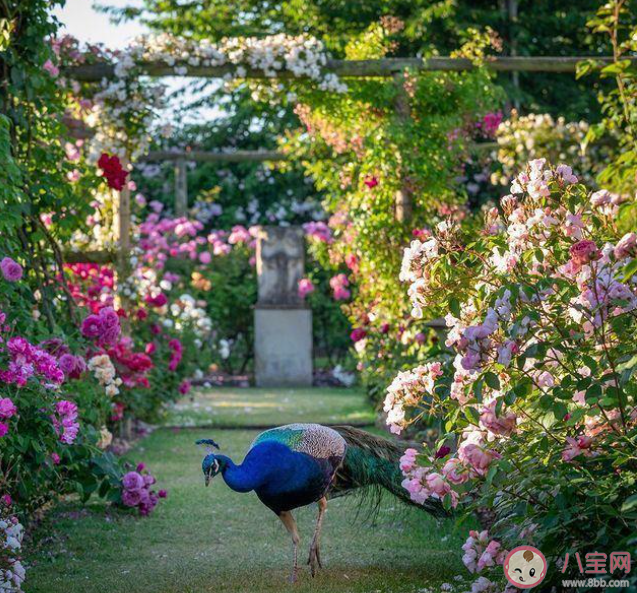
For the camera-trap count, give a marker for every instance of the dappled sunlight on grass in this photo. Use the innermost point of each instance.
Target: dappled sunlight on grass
(219, 407)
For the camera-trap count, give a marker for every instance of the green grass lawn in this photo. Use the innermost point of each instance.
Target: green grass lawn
(205, 540)
(228, 407)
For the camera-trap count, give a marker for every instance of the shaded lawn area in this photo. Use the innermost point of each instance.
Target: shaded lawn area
(212, 539)
(231, 407)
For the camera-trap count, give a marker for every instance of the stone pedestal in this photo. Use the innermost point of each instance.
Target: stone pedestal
(283, 347)
(282, 321)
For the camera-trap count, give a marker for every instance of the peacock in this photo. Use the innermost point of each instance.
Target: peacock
(299, 464)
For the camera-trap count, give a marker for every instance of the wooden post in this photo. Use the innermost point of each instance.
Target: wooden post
(122, 221)
(512, 9)
(181, 188)
(404, 198)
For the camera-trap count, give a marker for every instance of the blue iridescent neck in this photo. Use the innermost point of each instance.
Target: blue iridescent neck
(244, 477)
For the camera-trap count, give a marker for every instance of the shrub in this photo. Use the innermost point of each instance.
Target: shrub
(539, 402)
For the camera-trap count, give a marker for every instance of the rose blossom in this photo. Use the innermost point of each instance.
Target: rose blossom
(305, 287)
(133, 481)
(583, 252)
(7, 408)
(626, 246)
(11, 270)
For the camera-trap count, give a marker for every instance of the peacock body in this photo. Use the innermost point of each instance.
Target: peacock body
(306, 458)
(299, 464)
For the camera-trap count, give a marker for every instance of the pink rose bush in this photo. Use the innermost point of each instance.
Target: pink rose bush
(54, 407)
(537, 392)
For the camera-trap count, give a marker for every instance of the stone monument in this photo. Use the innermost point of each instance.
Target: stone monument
(282, 321)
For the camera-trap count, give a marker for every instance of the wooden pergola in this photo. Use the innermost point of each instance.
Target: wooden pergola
(384, 68)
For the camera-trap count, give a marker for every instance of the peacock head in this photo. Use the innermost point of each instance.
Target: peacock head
(211, 464)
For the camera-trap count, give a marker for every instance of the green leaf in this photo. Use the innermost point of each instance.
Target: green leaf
(472, 415)
(630, 503)
(491, 379)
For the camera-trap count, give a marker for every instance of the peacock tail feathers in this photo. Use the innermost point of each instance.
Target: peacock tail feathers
(371, 465)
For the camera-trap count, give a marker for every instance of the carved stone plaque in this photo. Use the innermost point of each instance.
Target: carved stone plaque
(280, 265)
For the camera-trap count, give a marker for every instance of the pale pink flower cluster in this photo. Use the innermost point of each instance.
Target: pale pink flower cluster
(480, 551)
(407, 390)
(535, 181)
(606, 203)
(12, 572)
(339, 284)
(305, 287)
(105, 373)
(240, 235)
(413, 270)
(423, 483)
(502, 424)
(475, 456)
(576, 447)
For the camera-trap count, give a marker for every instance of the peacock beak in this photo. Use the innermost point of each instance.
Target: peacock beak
(207, 480)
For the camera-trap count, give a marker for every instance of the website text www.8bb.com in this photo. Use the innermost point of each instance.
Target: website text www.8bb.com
(593, 582)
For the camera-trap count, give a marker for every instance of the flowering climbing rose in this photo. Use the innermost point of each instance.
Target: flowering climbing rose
(539, 388)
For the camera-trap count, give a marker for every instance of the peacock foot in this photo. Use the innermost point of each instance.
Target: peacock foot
(314, 559)
(293, 578)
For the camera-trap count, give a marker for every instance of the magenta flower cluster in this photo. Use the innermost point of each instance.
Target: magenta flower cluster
(137, 492)
(7, 410)
(104, 327)
(65, 421)
(176, 352)
(26, 361)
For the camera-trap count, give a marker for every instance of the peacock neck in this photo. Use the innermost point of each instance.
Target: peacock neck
(241, 478)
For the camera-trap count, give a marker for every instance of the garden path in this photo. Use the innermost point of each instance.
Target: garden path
(214, 540)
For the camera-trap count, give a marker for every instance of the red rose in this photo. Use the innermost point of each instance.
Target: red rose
(114, 173)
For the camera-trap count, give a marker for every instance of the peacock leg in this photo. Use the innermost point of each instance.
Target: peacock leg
(315, 554)
(290, 524)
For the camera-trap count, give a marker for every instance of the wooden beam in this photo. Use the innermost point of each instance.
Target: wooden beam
(249, 156)
(352, 68)
(235, 156)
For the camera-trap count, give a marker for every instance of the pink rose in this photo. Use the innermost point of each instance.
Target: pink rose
(626, 246)
(584, 251)
(7, 408)
(601, 198)
(51, 68)
(455, 471)
(305, 287)
(11, 270)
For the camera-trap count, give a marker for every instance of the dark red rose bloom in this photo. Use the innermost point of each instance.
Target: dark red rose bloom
(114, 173)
